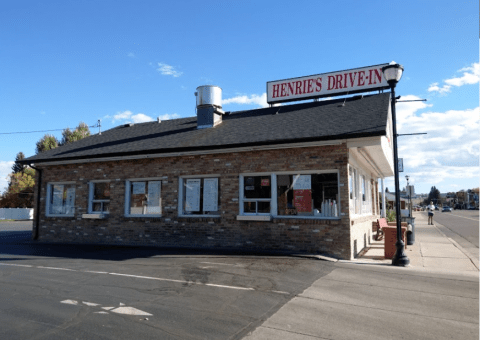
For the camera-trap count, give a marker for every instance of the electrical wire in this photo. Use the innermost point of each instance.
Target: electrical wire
(12, 133)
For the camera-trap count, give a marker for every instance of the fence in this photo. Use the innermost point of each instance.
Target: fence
(16, 214)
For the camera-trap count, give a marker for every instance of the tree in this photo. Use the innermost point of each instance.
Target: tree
(17, 167)
(47, 142)
(20, 190)
(433, 196)
(386, 190)
(80, 132)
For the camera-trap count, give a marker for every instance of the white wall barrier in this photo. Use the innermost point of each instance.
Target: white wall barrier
(16, 214)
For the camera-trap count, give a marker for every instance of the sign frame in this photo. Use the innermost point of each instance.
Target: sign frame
(338, 75)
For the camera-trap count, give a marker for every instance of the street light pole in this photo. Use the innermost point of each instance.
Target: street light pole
(392, 74)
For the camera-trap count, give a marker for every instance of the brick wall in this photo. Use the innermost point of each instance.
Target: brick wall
(331, 237)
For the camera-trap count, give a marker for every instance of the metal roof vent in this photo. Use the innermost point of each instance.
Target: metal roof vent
(209, 106)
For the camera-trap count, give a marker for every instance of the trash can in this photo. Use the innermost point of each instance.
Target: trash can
(410, 231)
(391, 239)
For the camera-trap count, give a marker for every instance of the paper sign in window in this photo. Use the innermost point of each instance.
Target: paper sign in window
(302, 182)
(153, 199)
(138, 188)
(57, 204)
(70, 201)
(210, 194)
(192, 195)
(302, 200)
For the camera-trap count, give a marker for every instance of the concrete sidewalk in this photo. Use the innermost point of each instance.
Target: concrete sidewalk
(436, 297)
(432, 250)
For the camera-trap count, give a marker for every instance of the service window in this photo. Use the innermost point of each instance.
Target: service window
(308, 195)
(61, 199)
(257, 194)
(200, 196)
(143, 198)
(99, 198)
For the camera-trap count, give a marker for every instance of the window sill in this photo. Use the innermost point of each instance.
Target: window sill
(66, 216)
(199, 216)
(300, 217)
(146, 215)
(95, 216)
(254, 218)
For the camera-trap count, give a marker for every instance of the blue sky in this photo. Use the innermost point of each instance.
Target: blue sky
(63, 62)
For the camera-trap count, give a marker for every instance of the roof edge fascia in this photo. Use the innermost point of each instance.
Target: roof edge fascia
(194, 153)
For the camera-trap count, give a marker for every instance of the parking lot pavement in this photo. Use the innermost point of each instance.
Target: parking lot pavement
(63, 292)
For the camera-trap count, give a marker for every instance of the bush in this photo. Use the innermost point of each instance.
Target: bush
(391, 216)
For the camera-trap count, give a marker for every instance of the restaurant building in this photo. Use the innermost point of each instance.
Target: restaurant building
(299, 177)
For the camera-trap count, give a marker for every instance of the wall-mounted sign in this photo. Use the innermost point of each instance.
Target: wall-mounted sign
(327, 84)
(400, 165)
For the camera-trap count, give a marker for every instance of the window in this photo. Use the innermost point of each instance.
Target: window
(257, 194)
(143, 197)
(199, 196)
(99, 197)
(313, 194)
(61, 199)
(308, 195)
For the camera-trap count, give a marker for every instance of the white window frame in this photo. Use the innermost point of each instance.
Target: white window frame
(273, 198)
(91, 185)
(49, 195)
(181, 181)
(128, 195)
(273, 191)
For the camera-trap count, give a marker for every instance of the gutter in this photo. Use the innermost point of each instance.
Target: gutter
(37, 209)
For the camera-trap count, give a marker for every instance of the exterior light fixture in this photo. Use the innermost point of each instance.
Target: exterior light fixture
(392, 74)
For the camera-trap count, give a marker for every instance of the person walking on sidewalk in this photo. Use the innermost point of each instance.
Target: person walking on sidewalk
(431, 211)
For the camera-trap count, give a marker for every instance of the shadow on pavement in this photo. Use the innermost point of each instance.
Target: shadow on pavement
(20, 243)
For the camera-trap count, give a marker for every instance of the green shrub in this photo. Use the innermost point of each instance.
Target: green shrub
(391, 216)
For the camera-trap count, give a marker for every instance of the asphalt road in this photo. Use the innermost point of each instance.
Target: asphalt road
(89, 292)
(462, 222)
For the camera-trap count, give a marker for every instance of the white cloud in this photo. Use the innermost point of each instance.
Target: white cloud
(448, 153)
(130, 117)
(260, 100)
(168, 116)
(168, 70)
(131, 55)
(5, 170)
(471, 75)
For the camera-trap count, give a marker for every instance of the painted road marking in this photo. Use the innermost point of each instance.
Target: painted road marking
(16, 265)
(129, 311)
(72, 270)
(225, 264)
(143, 277)
(69, 302)
(119, 310)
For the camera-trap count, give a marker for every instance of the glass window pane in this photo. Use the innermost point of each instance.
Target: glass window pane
(308, 195)
(97, 206)
(263, 207)
(106, 207)
(201, 196)
(250, 207)
(101, 191)
(257, 187)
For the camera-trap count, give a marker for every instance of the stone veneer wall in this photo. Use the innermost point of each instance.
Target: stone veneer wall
(330, 237)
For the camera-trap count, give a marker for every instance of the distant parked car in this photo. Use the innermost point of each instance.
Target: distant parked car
(446, 209)
(471, 208)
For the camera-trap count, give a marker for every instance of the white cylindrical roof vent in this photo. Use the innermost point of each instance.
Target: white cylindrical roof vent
(209, 95)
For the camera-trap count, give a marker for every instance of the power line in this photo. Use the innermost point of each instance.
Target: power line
(12, 133)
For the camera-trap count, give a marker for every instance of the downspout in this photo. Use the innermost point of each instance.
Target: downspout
(37, 209)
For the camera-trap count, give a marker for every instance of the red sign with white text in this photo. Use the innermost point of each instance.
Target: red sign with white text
(327, 84)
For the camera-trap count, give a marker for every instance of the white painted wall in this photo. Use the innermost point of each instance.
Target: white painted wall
(16, 214)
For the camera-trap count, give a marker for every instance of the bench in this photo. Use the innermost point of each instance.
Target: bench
(381, 223)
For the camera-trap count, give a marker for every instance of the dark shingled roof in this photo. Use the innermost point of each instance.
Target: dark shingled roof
(304, 122)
